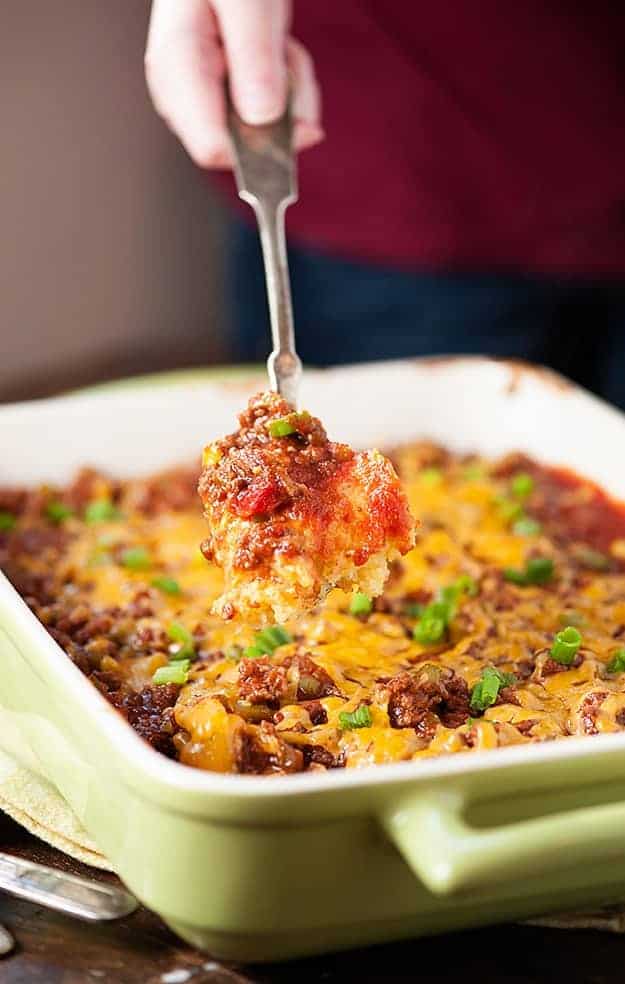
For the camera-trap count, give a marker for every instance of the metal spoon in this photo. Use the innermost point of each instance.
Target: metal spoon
(70, 894)
(264, 167)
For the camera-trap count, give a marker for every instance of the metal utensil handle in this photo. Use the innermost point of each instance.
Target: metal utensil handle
(283, 365)
(264, 167)
(58, 890)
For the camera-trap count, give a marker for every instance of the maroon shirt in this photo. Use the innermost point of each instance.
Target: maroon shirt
(467, 136)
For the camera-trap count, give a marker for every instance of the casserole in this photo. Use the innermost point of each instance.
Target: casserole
(369, 855)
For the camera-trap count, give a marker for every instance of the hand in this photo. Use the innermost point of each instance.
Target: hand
(193, 44)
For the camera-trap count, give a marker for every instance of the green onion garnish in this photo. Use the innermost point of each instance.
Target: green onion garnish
(285, 426)
(526, 526)
(435, 617)
(473, 473)
(7, 521)
(565, 646)
(281, 427)
(360, 718)
(486, 690)
(522, 485)
(538, 570)
(253, 652)
(360, 604)
(168, 585)
(429, 629)
(617, 663)
(177, 672)
(509, 510)
(101, 511)
(57, 511)
(267, 640)
(136, 559)
(179, 633)
(430, 476)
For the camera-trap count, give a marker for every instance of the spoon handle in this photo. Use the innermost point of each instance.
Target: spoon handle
(82, 897)
(264, 167)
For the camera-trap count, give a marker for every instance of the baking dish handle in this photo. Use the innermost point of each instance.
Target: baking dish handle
(450, 856)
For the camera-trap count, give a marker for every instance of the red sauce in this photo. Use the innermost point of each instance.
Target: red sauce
(576, 509)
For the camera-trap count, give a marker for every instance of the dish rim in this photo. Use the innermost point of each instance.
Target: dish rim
(178, 777)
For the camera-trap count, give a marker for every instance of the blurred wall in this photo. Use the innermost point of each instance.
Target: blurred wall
(109, 237)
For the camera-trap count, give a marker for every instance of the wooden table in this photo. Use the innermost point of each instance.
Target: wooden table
(52, 949)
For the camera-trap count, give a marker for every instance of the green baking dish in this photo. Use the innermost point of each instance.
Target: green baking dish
(256, 868)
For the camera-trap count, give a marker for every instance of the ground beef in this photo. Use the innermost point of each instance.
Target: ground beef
(262, 682)
(316, 712)
(507, 695)
(526, 726)
(257, 474)
(260, 750)
(150, 713)
(318, 755)
(426, 696)
(546, 666)
(311, 680)
(588, 711)
(174, 489)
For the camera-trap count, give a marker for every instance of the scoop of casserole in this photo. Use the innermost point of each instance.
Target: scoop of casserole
(292, 515)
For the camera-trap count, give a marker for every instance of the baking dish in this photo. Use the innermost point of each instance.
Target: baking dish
(256, 868)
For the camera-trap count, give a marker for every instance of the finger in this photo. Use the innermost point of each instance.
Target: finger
(185, 69)
(306, 98)
(254, 35)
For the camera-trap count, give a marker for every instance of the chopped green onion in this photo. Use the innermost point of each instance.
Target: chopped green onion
(253, 652)
(473, 473)
(526, 526)
(617, 663)
(58, 511)
(136, 559)
(168, 585)
(179, 633)
(509, 510)
(466, 583)
(270, 638)
(177, 672)
(281, 427)
(436, 616)
(486, 690)
(565, 646)
(101, 511)
(234, 653)
(360, 718)
(522, 485)
(429, 629)
(430, 476)
(360, 604)
(7, 521)
(538, 570)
